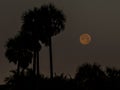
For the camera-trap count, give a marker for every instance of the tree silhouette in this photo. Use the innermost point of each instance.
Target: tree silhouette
(19, 51)
(43, 23)
(52, 23)
(30, 27)
(90, 77)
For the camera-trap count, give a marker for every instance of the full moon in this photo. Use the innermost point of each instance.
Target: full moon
(85, 39)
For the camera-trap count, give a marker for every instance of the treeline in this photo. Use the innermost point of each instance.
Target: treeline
(87, 77)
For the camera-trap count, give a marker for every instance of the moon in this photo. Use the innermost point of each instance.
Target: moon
(85, 39)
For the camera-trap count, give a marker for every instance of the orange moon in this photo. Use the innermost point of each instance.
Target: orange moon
(85, 39)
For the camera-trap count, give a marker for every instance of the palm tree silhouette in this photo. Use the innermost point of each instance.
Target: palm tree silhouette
(43, 23)
(52, 22)
(30, 28)
(19, 51)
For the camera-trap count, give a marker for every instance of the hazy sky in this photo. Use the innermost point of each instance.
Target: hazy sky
(99, 18)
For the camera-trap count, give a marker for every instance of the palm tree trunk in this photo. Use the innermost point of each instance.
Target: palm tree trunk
(18, 68)
(51, 62)
(34, 63)
(37, 82)
(38, 63)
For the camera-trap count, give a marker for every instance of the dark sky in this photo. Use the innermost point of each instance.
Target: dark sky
(99, 18)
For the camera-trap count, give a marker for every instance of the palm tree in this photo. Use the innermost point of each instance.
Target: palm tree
(19, 51)
(29, 27)
(52, 23)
